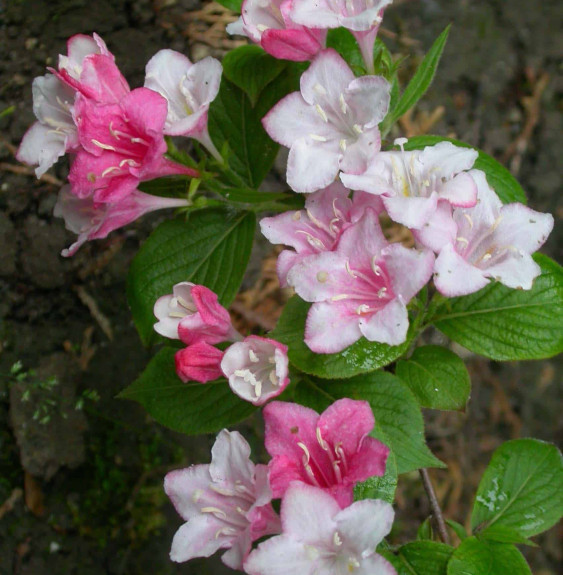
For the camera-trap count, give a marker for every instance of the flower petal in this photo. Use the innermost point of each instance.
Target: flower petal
(369, 98)
(280, 555)
(312, 165)
(389, 325)
(230, 459)
(182, 484)
(517, 271)
(329, 329)
(453, 276)
(196, 538)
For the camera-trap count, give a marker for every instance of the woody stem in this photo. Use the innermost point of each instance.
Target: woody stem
(435, 506)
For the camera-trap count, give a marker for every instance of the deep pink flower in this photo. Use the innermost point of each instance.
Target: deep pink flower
(122, 144)
(269, 24)
(360, 289)
(193, 314)
(226, 504)
(491, 241)
(257, 368)
(331, 124)
(319, 538)
(199, 362)
(332, 451)
(92, 221)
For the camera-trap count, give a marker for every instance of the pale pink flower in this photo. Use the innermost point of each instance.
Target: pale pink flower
(199, 362)
(361, 17)
(331, 124)
(492, 241)
(192, 313)
(257, 368)
(332, 451)
(268, 23)
(319, 538)
(189, 89)
(360, 289)
(411, 183)
(94, 221)
(122, 144)
(226, 504)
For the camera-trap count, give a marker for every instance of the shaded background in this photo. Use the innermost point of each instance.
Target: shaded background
(81, 491)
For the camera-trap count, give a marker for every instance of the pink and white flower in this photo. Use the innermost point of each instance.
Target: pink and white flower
(269, 23)
(492, 241)
(319, 538)
(94, 221)
(189, 89)
(192, 313)
(199, 362)
(331, 124)
(360, 289)
(257, 368)
(361, 17)
(332, 451)
(121, 145)
(226, 505)
(411, 183)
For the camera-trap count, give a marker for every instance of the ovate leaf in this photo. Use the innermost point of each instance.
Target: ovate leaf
(421, 558)
(437, 377)
(190, 408)
(211, 248)
(234, 5)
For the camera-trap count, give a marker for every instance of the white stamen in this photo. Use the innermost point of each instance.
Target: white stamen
(336, 539)
(321, 113)
(253, 357)
(222, 490)
(319, 89)
(462, 240)
(296, 216)
(317, 138)
(321, 441)
(197, 495)
(274, 378)
(358, 129)
(343, 104)
(361, 309)
(103, 146)
(225, 531)
(381, 293)
(307, 456)
(339, 297)
(469, 220)
(219, 513)
(374, 267)
(349, 269)
(110, 170)
(343, 145)
(261, 27)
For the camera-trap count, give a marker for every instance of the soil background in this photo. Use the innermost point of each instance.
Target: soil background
(81, 489)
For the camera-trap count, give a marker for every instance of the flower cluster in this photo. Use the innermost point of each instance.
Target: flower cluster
(115, 136)
(316, 461)
(256, 367)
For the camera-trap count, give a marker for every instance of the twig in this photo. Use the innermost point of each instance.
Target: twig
(25, 171)
(91, 304)
(436, 511)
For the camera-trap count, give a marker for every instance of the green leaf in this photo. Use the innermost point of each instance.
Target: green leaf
(509, 324)
(234, 5)
(476, 557)
(211, 248)
(190, 408)
(251, 69)
(361, 357)
(520, 489)
(421, 80)
(504, 534)
(421, 558)
(458, 529)
(380, 487)
(397, 413)
(172, 186)
(499, 178)
(425, 531)
(437, 377)
(342, 40)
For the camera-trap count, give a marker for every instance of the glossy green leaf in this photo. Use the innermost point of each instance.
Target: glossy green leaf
(234, 5)
(190, 408)
(521, 489)
(458, 529)
(361, 357)
(437, 377)
(504, 534)
(509, 324)
(421, 558)
(211, 248)
(172, 186)
(342, 40)
(477, 557)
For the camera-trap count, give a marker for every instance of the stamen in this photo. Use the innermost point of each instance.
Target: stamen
(139, 141)
(336, 539)
(358, 129)
(322, 277)
(185, 304)
(319, 89)
(253, 357)
(375, 268)
(222, 490)
(462, 240)
(321, 113)
(321, 441)
(306, 451)
(469, 220)
(219, 513)
(176, 314)
(103, 146)
(337, 472)
(274, 378)
(113, 132)
(313, 241)
(296, 216)
(496, 224)
(339, 297)
(343, 104)
(361, 309)
(382, 292)
(343, 145)
(110, 170)
(349, 269)
(261, 27)
(225, 531)
(197, 495)
(317, 138)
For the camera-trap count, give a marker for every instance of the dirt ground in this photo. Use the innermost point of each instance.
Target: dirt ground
(81, 489)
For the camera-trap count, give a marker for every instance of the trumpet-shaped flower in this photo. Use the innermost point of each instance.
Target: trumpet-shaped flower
(492, 241)
(257, 368)
(226, 505)
(198, 362)
(360, 289)
(122, 144)
(332, 451)
(268, 23)
(319, 538)
(411, 183)
(193, 314)
(93, 221)
(331, 124)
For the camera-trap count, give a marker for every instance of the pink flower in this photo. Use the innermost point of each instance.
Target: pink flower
(411, 183)
(319, 538)
(193, 314)
(331, 124)
(226, 504)
(318, 227)
(257, 368)
(122, 144)
(93, 221)
(361, 289)
(269, 24)
(199, 362)
(492, 241)
(332, 451)
(188, 89)
(361, 17)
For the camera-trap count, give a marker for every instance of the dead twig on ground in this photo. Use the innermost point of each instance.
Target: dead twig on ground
(92, 305)
(25, 171)
(10, 503)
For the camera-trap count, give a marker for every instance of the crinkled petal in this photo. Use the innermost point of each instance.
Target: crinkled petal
(294, 45)
(312, 165)
(369, 97)
(412, 212)
(41, 146)
(453, 276)
(196, 538)
(329, 329)
(358, 153)
(446, 159)
(461, 191)
(389, 325)
(280, 555)
(181, 485)
(517, 271)
(366, 19)
(101, 80)
(230, 459)
(439, 230)
(315, 14)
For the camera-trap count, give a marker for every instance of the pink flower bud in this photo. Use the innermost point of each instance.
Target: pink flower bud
(199, 362)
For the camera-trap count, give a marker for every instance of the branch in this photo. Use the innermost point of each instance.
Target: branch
(436, 511)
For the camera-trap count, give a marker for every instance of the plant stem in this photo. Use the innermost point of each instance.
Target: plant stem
(436, 511)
